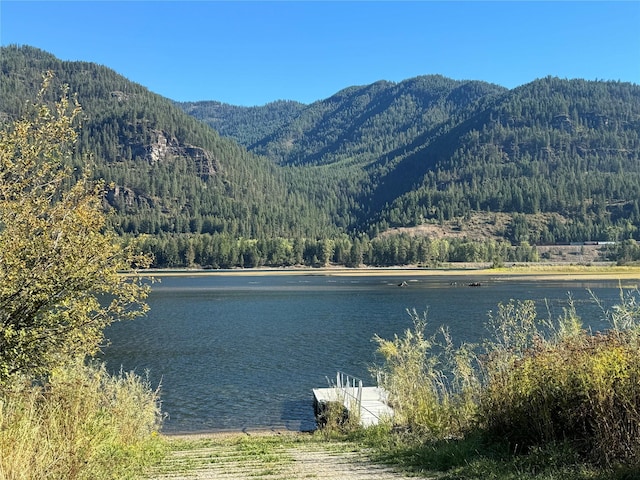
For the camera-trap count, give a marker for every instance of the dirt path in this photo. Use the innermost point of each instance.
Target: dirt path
(230, 459)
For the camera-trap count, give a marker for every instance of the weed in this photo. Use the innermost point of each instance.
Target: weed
(432, 386)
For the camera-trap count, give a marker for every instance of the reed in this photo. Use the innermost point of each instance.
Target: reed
(432, 385)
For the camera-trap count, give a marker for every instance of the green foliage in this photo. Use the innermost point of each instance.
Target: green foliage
(536, 385)
(576, 388)
(61, 283)
(166, 171)
(335, 420)
(437, 149)
(558, 157)
(625, 252)
(431, 386)
(221, 250)
(59, 267)
(472, 457)
(360, 125)
(83, 424)
(246, 125)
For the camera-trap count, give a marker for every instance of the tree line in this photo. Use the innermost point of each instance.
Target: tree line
(225, 251)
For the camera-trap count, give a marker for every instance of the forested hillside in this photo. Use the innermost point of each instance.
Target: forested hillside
(500, 170)
(246, 125)
(561, 157)
(171, 175)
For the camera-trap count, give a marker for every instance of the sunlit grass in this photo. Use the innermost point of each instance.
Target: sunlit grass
(540, 399)
(83, 424)
(471, 457)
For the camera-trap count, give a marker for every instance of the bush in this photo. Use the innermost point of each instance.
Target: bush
(83, 424)
(432, 386)
(537, 384)
(583, 390)
(573, 387)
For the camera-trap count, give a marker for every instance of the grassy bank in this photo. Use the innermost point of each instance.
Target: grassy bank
(371, 453)
(539, 398)
(473, 457)
(82, 424)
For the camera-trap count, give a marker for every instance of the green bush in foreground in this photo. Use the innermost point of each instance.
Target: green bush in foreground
(83, 424)
(60, 286)
(583, 390)
(570, 387)
(537, 386)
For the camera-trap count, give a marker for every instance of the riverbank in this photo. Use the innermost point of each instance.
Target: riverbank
(270, 455)
(550, 271)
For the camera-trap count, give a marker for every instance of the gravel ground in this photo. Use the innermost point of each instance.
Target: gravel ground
(222, 459)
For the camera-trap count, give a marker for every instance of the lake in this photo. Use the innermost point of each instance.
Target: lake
(236, 351)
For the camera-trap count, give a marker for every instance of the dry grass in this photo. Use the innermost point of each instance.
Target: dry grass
(83, 424)
(534, 383)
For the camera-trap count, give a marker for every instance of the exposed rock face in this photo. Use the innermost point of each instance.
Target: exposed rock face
(159, 149)
(206, 165)
(120, 96)
(121, 198)
(162, 148)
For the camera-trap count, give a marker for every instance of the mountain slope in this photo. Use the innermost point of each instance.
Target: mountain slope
(431, 149)
(571, 148)
(172, 173)
(551, 161)
(361, 124)
(246, 125)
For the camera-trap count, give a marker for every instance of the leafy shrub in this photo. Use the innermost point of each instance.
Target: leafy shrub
(537, 383)
(60, 286)
(573, 387)
(584, 390)
(336, 420)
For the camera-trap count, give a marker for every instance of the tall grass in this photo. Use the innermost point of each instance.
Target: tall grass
(432, 386)
(535, 383)
(83, 424)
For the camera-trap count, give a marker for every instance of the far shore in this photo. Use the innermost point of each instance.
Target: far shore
(543, 271)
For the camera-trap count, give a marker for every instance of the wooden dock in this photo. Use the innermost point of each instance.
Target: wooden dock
(371, 403)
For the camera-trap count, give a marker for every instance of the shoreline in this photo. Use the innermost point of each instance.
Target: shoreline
(234, 432)
(547, 271)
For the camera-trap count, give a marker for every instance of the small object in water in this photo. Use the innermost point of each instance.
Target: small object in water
(403, 284)
(475, 284)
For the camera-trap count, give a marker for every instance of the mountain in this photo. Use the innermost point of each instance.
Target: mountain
(561, 157)
(568, 148)
(246, 125)
(171, 173)
(374, 174)
(356, 124)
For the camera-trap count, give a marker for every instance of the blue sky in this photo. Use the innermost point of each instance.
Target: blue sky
(251, 53)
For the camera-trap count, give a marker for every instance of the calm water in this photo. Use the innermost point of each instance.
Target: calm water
(240, 351)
